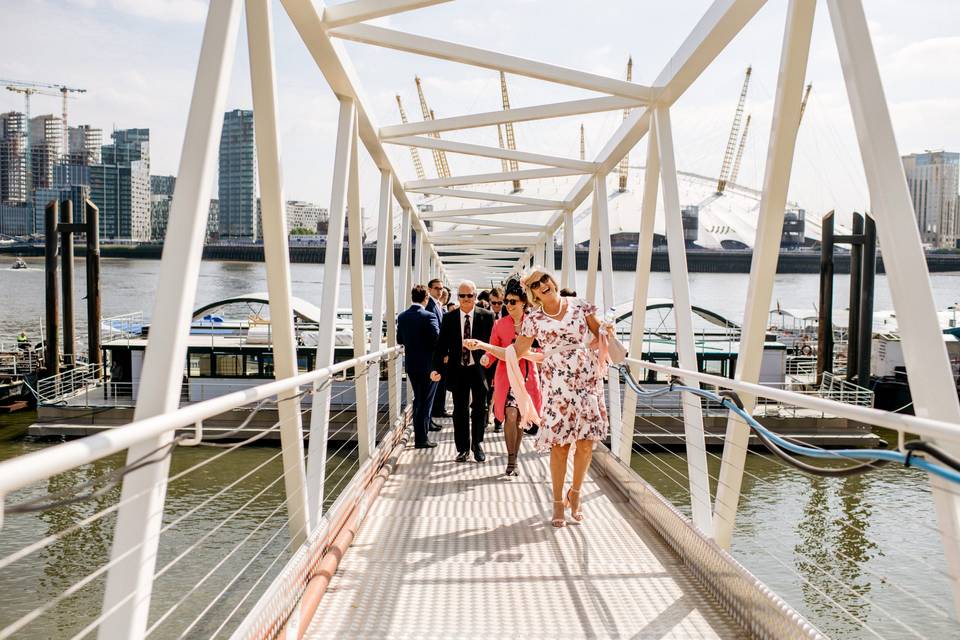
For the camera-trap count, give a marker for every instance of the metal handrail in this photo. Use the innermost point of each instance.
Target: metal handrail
(39, 465)
(896, 421)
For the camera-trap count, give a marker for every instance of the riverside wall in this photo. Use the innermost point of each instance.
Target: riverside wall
(624, 258)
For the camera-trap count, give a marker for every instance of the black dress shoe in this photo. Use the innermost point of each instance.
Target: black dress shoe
(462, 456)
(478, 454)
(425, 445)
(443, 414)
(434, 427)
(532, 431)
(497, 426)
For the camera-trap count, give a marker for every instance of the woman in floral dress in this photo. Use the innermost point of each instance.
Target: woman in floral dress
(571, 385)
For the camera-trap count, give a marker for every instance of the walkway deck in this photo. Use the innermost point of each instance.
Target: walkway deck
(457, 550)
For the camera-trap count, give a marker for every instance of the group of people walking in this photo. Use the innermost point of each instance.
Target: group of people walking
(547, 372)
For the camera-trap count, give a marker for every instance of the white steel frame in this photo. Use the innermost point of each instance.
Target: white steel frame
(465, 241)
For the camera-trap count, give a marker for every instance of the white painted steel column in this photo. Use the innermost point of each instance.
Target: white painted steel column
(550, 255)
(330, 300)
(390, 309)
(126, 602)
(606, 281)
(683, 317)
(593, 256)
(931, 383)
(364, 420)
(384, 241)
(419, 261)
(569, 278)
(406, 285)
(766, 252)
(277, 258)
(641, 287)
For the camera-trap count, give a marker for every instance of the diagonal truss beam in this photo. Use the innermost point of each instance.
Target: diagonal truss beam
(440, 214)
(434, 48)
(472, 220)
(711, 35)
(493, 152)
(520, 114)
(492, 197)
(486, 178)
(482, 235)
(340, 15)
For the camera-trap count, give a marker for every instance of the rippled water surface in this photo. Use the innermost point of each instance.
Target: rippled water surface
(838, 550)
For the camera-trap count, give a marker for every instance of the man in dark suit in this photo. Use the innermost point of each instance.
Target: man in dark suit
(496, 306)
(462, 372)
(417, 331)
(439, 410)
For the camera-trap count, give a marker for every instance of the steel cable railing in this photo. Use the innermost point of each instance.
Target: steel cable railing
(201, 516)
(677, 477)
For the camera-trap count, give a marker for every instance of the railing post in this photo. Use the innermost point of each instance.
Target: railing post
(766, 252)
(390, 313)
(355, 242)
(126, 602)
(320, 412)
(403, 294)
(682, 314)
(933, 391)
(277, 257)
(380, 294)
(593, 255)
(641, 284)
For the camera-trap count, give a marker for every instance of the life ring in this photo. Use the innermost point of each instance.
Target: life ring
(806, 350)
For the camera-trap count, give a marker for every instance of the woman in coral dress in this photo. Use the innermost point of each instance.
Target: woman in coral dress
(505, 408)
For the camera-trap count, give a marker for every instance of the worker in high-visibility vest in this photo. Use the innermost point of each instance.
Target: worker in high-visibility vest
(22, 341)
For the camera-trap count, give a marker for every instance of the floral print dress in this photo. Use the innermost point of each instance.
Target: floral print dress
(573, 406)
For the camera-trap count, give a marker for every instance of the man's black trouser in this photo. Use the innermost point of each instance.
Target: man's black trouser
(469, 408)
(423, 390)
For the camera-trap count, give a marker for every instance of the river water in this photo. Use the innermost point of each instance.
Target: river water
(853, 555)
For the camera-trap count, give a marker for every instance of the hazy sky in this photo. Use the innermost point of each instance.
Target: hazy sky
(137, 59)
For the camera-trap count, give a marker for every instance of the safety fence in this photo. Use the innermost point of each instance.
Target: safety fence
(233, 517)
(809, 521)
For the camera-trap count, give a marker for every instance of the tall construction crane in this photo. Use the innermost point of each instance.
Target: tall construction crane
(508, 128)
(806, 96)
(414, 152)
(743, 143)
(583, 146)
(625, 162)
(439, 157)
(35, 87)
(734, 134)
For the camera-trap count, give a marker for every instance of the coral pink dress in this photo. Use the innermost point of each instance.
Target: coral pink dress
(503, 335)
(570, 384)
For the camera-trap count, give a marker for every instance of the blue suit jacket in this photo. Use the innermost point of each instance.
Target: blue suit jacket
(434, 307)
(417, 331)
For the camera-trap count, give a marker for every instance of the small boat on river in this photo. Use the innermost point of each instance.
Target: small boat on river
(19, 264)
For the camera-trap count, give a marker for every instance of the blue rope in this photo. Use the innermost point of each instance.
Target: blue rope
(906, 459)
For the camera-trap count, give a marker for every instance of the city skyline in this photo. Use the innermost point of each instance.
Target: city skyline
(918, 53)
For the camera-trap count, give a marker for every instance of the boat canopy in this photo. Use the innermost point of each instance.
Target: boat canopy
(624, 310)
(301, 308)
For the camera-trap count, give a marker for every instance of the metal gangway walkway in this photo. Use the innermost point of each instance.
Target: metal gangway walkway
(345, 532)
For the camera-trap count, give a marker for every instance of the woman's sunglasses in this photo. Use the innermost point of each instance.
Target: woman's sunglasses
(512, 301)
(543, 280)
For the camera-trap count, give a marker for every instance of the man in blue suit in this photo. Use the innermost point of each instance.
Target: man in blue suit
(417, 331)
(434, 289)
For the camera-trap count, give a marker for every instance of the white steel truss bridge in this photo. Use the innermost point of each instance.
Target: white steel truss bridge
(344, 562)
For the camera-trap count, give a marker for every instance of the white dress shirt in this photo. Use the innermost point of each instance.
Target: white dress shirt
(472, 329)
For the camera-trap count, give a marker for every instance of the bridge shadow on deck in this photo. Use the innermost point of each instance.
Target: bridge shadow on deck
(456, 550)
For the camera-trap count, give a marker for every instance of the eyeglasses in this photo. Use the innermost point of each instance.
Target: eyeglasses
(512, 301)
(496, 302)
(465, 295)
(436, 288)
(544, 279)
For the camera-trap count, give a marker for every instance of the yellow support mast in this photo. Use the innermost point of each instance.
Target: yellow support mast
(414, 152)
(734, 134)
(439, 157)
(508, 129)
(625, 162)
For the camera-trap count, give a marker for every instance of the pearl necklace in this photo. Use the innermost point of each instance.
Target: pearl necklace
(557, 314)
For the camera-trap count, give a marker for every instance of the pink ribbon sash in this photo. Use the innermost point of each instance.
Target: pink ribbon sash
(528, 412)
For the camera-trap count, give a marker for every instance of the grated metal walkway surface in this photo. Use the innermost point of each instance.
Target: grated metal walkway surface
(456, 550)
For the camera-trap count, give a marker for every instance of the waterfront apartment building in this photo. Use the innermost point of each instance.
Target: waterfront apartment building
(46, 147)
(161, 195)
(238, 177)
(85, 143)
(120, 186)
(933, 178)
(13, 157)
(305, 215)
